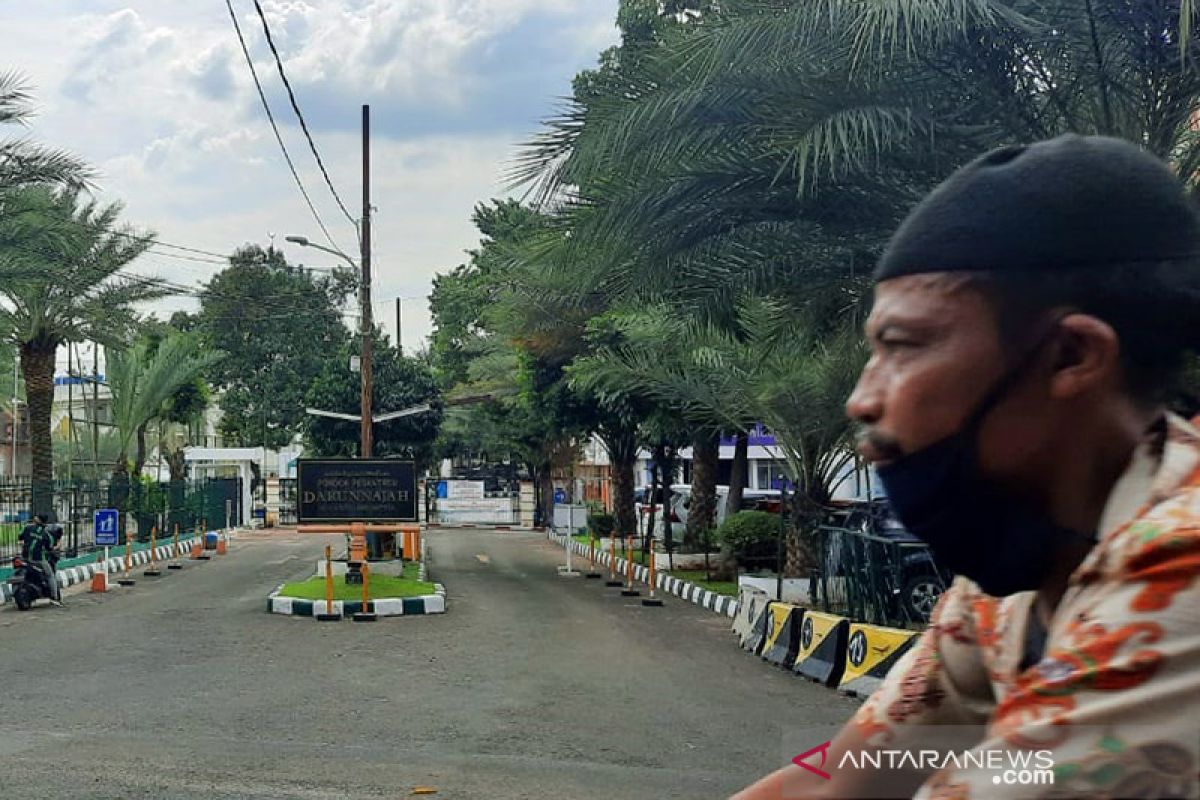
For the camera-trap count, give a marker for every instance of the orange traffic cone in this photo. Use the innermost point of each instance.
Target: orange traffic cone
(100, 578)
(222, 548)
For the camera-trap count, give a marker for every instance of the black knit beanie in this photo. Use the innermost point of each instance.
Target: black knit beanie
(1071, 202)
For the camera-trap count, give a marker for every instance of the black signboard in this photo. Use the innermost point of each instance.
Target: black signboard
(361, 490)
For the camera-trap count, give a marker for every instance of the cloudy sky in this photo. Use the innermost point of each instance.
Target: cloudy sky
(158, 97)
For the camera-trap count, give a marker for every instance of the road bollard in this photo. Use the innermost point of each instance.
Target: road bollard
(368, 610)
(153, 571)
(174, 564)
(629, 591)
(591, 573)
(613, 580)
(127, 581)
(653, 599)
(100, 576)
(203, 533)
(328, 616)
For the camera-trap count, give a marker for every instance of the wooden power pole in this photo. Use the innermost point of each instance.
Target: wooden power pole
(365, 291)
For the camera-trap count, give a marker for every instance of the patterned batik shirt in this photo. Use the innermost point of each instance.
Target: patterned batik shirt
(1115, 696)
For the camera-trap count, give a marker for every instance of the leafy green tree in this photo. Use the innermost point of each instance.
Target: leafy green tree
(279, 325)
(400, 383)
(61, 262)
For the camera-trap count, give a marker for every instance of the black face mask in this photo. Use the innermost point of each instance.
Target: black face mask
(1002, 544)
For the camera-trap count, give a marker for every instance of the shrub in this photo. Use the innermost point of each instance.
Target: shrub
(746, 529)
(601, 524)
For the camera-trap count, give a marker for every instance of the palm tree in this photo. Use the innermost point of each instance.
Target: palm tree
(143, 379)
(23, 163)
(61, 261)
(791, 376)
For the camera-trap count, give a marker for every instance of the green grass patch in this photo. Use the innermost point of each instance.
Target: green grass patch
(696, 576)
(381, 586)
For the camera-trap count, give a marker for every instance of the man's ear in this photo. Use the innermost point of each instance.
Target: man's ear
(1088, 355)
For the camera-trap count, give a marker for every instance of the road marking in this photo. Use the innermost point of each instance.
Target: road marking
(483, 559)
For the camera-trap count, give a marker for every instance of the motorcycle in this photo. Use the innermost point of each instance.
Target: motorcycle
(28, 583)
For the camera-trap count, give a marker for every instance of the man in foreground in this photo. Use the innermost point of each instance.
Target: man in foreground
(1031, 319)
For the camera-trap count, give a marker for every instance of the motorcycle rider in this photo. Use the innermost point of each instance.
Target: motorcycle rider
(37, 547)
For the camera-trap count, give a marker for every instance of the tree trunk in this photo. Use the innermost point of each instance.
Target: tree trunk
(545, 483)
(139, 457)
(726, 566)
(177, 463)
(702, 512)
(621, 444)
(37, 367)
(808, 506)
(622, 484)
(737, 474)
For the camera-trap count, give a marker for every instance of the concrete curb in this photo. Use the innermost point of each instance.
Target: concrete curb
(73, 576)
(719, 603)
(388, 607)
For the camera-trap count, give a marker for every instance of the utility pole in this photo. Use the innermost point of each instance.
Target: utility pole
(365, 291)
(399, 335)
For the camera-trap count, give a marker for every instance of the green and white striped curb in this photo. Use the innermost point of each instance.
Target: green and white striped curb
(698, 595)
(386, 607)
(84, 573)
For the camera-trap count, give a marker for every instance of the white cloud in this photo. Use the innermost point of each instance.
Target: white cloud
(157, 95)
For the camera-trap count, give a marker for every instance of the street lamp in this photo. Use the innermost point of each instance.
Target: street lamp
(303, 241)
(365, 369)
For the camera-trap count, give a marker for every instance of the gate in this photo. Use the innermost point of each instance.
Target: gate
(462, 502)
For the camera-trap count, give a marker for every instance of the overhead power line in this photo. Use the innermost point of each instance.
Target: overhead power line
(271, 118)
(299, 116)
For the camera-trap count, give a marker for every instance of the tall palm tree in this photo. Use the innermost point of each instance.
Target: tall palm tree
(143, 379)
(61, 280)
(23, 162)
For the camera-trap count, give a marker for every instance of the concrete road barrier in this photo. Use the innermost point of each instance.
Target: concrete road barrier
(822, 653)
(751, 612)
(871, 650)
(783, 634)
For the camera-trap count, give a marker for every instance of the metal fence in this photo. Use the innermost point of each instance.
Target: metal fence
(187, 504)
(287, 501)
(876, 579)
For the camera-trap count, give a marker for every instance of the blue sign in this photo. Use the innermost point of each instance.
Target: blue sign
(106, 527)
(560, 496)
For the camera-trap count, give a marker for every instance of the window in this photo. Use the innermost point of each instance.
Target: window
(769, 475)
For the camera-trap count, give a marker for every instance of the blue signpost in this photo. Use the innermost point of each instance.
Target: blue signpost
(106, 530)
(106, 527)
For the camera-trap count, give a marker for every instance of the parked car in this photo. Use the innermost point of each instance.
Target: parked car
(903, 564)
(752, 500)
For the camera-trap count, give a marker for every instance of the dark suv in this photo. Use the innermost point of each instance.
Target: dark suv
(883, 552)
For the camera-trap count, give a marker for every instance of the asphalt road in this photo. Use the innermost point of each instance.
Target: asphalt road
(532, 686)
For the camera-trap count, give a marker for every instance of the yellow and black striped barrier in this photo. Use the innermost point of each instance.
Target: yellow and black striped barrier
(822, 652)
(783, 634)
(871, 650)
